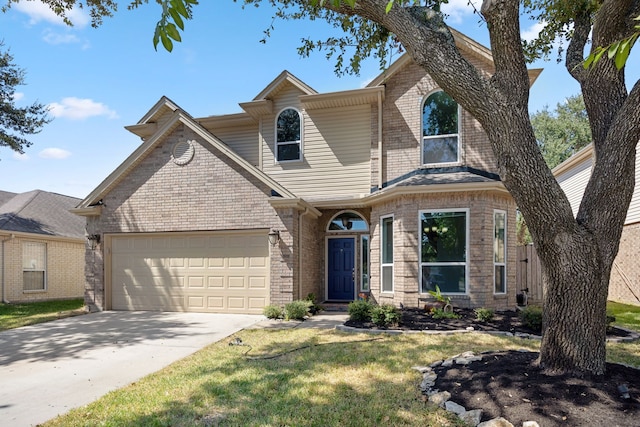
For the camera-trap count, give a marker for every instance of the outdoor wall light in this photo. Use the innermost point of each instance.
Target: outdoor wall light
(94, 240)
(274, 237)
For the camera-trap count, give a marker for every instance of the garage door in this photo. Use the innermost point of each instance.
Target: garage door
(226, 273)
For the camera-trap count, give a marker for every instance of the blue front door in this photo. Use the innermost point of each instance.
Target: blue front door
(341, 269)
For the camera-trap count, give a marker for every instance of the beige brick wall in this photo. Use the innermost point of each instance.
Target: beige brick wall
(64, 272)
(209, 193)
(405, 210)
(625, 276)
(402, 127)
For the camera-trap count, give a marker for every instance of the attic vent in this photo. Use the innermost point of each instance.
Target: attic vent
(182, 152)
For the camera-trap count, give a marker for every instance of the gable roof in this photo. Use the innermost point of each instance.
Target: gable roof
(41, 212)
(91, 204)
(463, 43)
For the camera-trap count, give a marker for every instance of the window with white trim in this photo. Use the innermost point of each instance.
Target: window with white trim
(440, 134)
(34, 266)
(499, 252)
(444, 243)
(289, 136)
(386, 254)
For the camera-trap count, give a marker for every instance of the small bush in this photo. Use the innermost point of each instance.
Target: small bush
(273, 312)
(531, 317)
(484, 314)
(360, 310)
(385, 315)
(315, 307)
(610, 320)
(297, 310)
(440, 313)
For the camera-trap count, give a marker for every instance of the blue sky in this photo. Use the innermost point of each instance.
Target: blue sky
(96, 81)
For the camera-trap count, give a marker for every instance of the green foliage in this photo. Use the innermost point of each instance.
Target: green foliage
(16, 122)
(610, 320)
(484, 314)
(563, 132)
(315, 307)
(523, 236)
(273, 312)
(297, 310)
(439, 297)
(385, 315)
(441, 313)
(617, 51)
(360, 310)
(531, 317)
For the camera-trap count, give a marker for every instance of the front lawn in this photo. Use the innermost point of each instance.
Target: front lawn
(298, 377)
(627, 316)
(17, 315)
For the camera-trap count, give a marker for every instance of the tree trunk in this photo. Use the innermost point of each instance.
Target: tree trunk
(575, 283)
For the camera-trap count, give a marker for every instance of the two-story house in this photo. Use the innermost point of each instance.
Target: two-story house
(388, 190)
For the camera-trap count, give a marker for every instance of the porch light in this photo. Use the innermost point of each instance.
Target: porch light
(94, 240)
(274, 237)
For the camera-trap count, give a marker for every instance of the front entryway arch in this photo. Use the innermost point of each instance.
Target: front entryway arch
(347, 264)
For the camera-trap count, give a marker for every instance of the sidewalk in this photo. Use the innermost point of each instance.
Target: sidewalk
(322, 320)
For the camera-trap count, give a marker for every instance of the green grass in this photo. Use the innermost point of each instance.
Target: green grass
(627, 316)
(17, 315)
(296, 377)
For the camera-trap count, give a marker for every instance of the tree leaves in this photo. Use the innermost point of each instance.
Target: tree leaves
(174, 12)
(617, 51)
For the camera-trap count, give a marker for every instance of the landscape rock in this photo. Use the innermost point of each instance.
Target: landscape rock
(472, 417)
(440, 398)
(496, 422)
(454, 407)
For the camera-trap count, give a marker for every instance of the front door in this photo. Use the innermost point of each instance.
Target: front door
(341, 269)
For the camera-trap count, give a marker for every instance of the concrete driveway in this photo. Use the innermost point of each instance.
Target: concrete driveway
(48, 369)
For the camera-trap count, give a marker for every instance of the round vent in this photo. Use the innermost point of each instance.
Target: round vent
(183, 152)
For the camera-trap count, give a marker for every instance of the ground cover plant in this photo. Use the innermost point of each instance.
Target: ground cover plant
(17, 315)
(626, 315)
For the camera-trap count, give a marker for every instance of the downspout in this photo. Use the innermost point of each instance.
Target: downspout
(379, 141)
(306, 211)
(4, 271)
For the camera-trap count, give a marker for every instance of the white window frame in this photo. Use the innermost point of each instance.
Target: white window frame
(298, 142)
(386, 265)
(424, 138)
(504, 263)
(30, 266)
(438, 264)
(366, 252)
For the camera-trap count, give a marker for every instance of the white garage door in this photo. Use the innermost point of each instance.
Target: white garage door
(190, 272)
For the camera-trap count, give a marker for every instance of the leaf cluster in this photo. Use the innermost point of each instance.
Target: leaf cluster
(15, 122)
(98, 9)
(617, 51)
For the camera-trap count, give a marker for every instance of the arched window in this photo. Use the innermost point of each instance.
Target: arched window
(440, 139)
(348, 221)
(288, 136)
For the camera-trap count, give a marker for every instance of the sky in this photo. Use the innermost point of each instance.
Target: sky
(96, 81)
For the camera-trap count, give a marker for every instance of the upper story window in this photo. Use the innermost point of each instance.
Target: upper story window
(440, 135)
(289, 136)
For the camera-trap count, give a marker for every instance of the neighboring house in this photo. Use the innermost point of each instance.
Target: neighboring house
(573, 175)
(42, 249)
(388, 190)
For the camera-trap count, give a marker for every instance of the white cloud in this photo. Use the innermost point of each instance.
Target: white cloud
(22, 157)
(54, 153)
(78, 109)
(532, 32)
(56, 38)
(17, 96)
(459, 9)
(39, 11)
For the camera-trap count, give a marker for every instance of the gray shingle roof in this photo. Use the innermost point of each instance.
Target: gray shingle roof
(40, 212)
(449, 175)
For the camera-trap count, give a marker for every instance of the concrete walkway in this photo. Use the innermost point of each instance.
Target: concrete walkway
(48, 369)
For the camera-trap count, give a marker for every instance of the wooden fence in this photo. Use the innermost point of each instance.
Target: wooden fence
(529, 273)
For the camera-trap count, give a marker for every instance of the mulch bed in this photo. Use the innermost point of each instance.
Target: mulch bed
(509, 384)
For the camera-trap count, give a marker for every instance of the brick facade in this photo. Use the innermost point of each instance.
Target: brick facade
(65, 275)
(624, 285)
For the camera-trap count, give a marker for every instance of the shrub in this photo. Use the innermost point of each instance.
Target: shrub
(297, 310)
(484, 314)
(531, 317)
(440, 313)
(314, 308)
(385, 315)
(273, 312)
(360, 310)
(610, 320)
